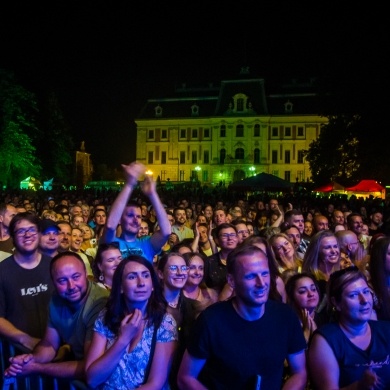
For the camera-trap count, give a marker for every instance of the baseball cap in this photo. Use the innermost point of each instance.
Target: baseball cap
(48, 224)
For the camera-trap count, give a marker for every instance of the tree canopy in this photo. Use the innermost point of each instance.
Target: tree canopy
(346, 151)
(32, 142)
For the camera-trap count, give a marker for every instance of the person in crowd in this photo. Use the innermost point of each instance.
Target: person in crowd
(99, 218)
(49, 214)
(208, 212)
(183, 247)
(251, 214)
(303, 295)
(92, 221)
(190, 216)
(179, 227)
(241, 228)
(321, 259)
(251, 227)
(365, 230)
(172, 271)
(172, 241)
(320, 222)
(77, 219)
(355, 223)
(337, 219)
(195, 287)
(48, 238)
(261, 221)
(89, 240)
(73, 310)
(219, 216)
(322, 256)
(277, 287)
(76, 240)
(108, 257)
(85, 212)
(219, 356)
(64, 235)
(129, 217)
(143, 229)
(353, 351)
(225, 236)
(134, 338)
(74, 210)
(307, 231)
(351, 252)
(25, 286)
(294, 234)
(152, 219)
(285, 254)
(295, 217)
(204, 241)
(379, 274)
(7, 212)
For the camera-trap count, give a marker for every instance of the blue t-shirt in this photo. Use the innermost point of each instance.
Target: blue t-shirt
(141, 247)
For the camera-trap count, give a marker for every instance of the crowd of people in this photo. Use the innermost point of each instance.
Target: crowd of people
(136, 291)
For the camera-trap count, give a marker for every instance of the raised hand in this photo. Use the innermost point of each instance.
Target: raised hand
(133, 172)
(148, 186)
(130, 326)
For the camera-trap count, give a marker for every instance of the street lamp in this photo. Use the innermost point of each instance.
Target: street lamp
(197, 169)
(252, 169)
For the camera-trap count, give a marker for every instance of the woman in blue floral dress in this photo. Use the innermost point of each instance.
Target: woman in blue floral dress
(121, 345)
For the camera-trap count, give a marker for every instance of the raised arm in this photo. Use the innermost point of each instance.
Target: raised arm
(159, 237)
(132, 173)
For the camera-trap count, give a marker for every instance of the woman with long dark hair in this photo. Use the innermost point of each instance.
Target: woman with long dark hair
(125, 333)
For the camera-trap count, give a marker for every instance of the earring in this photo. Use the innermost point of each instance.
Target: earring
(101, 277)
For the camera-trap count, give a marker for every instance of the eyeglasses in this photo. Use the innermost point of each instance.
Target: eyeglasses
(175, 268)
(226, 236)
(243, 232)
(22, 232)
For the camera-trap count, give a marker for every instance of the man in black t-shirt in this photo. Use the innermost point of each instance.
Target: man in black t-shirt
(25, 285)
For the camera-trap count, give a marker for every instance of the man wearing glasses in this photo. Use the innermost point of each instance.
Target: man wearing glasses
(25, 285)
(226, 238)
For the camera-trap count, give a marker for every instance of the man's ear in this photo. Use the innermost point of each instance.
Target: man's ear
(230, 280)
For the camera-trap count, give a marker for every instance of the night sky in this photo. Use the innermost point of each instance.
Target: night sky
(104, 60)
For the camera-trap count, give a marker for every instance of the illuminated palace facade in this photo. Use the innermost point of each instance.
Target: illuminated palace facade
(219, 135)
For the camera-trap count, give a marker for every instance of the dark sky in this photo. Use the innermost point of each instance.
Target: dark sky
(104, 60)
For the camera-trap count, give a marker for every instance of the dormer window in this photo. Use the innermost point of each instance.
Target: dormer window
(288, 107)
(240, 103)
(195, 109)
(158, 110)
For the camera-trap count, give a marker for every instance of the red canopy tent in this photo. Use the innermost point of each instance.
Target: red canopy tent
(368, 187)
(330, 187)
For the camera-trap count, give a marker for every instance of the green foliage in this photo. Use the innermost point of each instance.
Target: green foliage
(18, 158)
(334, 156)
(26, 133)
(349, 149)
(55, 147)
